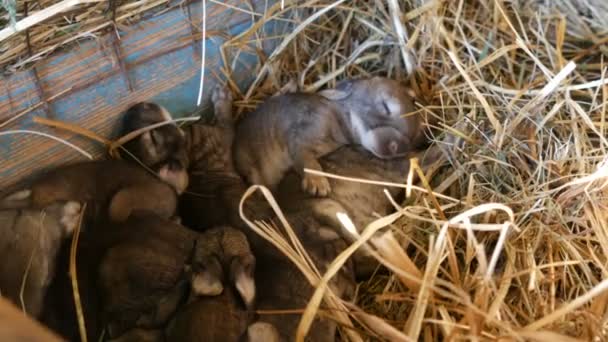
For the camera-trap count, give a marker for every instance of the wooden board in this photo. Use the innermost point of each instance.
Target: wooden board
(15, 326)
(90, 86)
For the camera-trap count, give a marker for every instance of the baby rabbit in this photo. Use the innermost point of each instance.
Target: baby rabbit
(30, 240)
(223, 317)
(220, 318)
(160, 149)
(361, 202)
(142, 272)
(148, 266)
(111, 188)
(293, 130)
(141, 335)
(282, 286)
(199, 151)
(225, 253)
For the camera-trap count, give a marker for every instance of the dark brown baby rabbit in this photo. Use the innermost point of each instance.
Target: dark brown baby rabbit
(223, 317)
(200, 151)
(281, 286)
(160, 149)
(148, 266)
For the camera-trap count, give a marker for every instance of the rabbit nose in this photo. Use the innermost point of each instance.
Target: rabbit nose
(398, 147)
(393, 147)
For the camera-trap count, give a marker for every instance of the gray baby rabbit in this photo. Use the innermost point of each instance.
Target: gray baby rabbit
(293, 130)
(30, 240)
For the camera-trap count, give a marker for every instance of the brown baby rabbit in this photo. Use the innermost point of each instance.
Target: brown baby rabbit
(223, 317)
(111, 188)
(281, 286)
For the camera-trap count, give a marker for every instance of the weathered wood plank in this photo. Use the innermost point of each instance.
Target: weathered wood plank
(163, 65)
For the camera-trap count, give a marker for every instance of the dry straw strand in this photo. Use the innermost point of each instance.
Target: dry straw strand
(41, 16)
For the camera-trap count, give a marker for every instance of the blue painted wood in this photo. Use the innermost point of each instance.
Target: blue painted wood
(97, 93)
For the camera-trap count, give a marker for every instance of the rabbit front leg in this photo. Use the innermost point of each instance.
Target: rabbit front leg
(315, 185)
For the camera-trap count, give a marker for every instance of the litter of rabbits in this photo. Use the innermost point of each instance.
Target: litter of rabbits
(505, 238)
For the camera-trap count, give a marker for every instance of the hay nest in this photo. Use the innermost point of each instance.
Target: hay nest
(518, 248)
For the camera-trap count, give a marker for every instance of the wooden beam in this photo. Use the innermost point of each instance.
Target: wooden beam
(16, 326)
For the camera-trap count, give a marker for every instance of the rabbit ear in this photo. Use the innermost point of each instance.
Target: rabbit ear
(343, 90)
(150, 144)
(242, 274)
(289, 88)
(221, 97)
(17, 200)
(345, 85)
